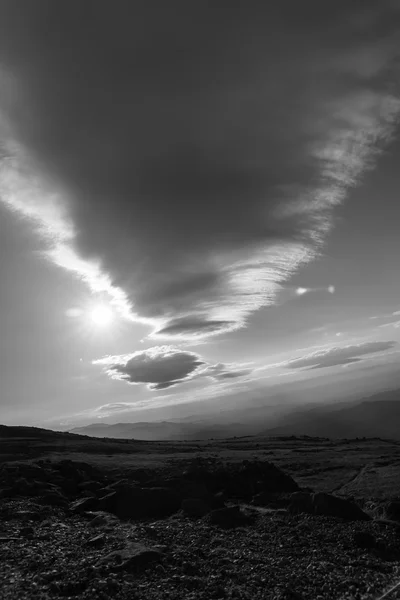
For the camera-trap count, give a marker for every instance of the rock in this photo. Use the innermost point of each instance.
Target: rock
(242, 480)
(83, 505)
(131, 557)
(28, 515)
(118, 484)
(273, 500)
(195, 507)
(332, 506)
(96, 541)
(101, 519)
(388, 523)
(21, 487)
(88, 494)
(136, 503)
(267, 477)
(392, 510)
(364, 539)
(228, 517)
(326, 504)
(217, 500)
(301, 502)
(6, 492)
(53, 499)
(108, 502)
(91, 486)
(68, 486)
(27, 532)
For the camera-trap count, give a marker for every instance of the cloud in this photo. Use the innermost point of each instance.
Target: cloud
(185, 160)
(163, 367)
(332, 357)
(221, 371)
(392, 320)
(159, 367)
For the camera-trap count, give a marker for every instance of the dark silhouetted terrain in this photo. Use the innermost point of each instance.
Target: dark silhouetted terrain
(252, 517)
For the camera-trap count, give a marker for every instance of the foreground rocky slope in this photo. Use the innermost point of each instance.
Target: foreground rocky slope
(199, 530)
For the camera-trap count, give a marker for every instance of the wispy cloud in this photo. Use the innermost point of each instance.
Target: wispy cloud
(190, 177)
(338, 355)
(391, 320)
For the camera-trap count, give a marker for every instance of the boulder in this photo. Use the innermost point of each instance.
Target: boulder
(301, 502)
(392, 510)
(364, 539)
(91, 486)
(332, 506)
(27, 532)
(195, 507)
(83, 505)
(29, 515)
(273, 500)
(228, 517)
(102, 519)
(53, 499)
(108, 502)
(217, 500)
(136, 503)
(131, 557)
(96, 541)
(241, 480)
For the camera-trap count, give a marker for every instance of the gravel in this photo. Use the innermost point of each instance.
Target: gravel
(277, 556)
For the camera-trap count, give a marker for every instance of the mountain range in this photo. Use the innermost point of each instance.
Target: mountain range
(374, 416)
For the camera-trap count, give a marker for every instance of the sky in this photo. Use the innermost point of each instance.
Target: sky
(198, 205)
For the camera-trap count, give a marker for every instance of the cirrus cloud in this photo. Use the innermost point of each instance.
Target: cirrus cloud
(338, 355)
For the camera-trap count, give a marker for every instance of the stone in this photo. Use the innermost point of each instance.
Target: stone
(392, 510)
(333, 506)
(108, 502)
(92, 486)
(101, 519)
(364, 539)
(195, 507)
(131, 557)
(217, 500)
(136, 503)
(96, 541)
(301, 502)
(27, 532)
(53, 499)
(83, 505)
(28, 515)
(228, 517)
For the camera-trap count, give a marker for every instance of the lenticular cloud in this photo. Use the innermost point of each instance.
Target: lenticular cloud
(184, 163)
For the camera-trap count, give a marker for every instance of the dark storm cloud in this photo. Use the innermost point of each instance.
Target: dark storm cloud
(160, 367)
(185, 157)
(332, 357)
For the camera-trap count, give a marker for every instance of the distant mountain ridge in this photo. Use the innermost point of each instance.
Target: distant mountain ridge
(366, 418)
(165, 430)
(376, 416)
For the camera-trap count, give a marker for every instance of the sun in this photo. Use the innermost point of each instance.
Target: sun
(101, 315)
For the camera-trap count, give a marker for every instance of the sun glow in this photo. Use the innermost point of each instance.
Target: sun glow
(102, 315)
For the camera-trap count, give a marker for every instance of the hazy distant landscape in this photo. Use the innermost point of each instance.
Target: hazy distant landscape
(375, 416)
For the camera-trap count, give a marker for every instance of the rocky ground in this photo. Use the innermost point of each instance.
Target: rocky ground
(205, 530)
